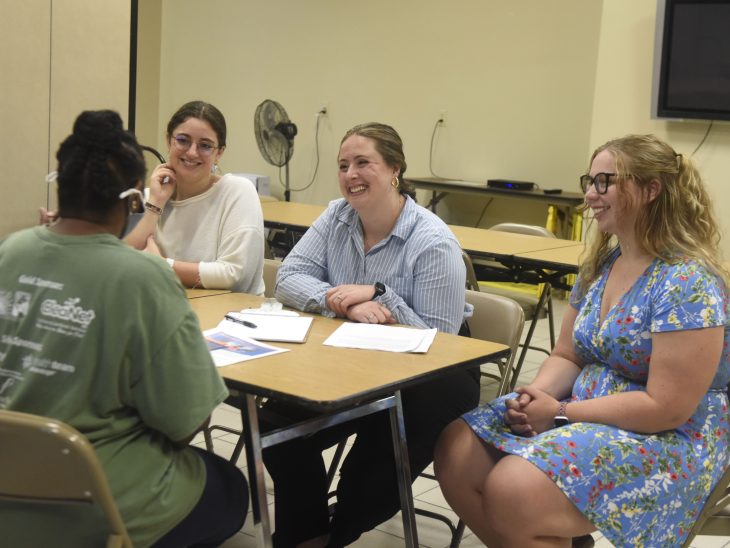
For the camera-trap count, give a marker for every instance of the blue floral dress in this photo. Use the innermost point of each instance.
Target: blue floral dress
(638, 490)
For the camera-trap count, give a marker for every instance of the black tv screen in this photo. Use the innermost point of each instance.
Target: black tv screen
(692, 60)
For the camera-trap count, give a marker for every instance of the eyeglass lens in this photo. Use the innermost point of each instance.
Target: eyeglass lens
(600, 181)
(184, 142)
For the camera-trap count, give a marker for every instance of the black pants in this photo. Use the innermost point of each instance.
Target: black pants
(220, 511)
(367, 493)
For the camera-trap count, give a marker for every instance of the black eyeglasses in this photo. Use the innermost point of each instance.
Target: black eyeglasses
(601, 182)
(183, 142)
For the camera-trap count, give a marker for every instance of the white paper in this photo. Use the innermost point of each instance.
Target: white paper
(270, 326)
(227, 348)
(381, 337)
(269, 313)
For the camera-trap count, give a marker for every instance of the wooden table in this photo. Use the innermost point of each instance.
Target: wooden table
(566, 202)
(290, 215)
(529, 258)
(341, 383)
(486, 243)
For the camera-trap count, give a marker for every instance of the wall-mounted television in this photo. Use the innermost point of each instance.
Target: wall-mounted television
(692, 60)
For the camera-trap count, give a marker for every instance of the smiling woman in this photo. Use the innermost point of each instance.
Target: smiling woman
(624, 429)
(208, 227)
(374, 256)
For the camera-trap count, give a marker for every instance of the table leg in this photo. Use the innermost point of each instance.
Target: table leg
(398, 430)
(255, 462)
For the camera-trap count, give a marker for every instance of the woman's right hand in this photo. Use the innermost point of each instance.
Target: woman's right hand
(162, 185)
(515, 416)
(46, 217)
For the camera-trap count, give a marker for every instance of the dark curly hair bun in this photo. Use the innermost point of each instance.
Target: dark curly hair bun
(99, 129)
(97, 162)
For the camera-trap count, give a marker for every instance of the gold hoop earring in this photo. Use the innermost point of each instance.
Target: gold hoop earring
(395, 183)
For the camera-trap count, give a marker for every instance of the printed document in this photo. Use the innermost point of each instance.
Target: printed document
(226, 347)
(382, 337)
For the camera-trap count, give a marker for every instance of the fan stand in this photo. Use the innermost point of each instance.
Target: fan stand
(287, 192)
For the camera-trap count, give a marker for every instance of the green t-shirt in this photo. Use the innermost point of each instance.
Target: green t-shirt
(102, 337)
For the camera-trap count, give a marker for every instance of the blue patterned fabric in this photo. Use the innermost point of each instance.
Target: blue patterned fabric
(638, 490)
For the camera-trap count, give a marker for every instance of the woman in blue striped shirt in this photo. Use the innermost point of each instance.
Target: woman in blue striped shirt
(374, 256)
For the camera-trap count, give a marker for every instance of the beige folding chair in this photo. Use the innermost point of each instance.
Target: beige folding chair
(271, 267)
(536, 301)
(471, 277)
(497, 319)
(48, 461)
(714, 519)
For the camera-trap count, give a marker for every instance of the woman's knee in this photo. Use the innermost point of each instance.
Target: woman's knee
(446, 449)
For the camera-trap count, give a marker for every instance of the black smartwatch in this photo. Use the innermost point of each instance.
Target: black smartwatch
(379, 290)
(561, 419)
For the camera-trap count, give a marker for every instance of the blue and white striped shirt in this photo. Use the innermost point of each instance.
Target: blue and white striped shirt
(420, 264)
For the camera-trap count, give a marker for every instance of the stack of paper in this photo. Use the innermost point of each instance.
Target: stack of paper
(279, 326)
(381, 337)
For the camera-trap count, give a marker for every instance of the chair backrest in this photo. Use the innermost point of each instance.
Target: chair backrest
(518, 228)
(45, 460)
(497, 319)
(471, 277)
(271, 267)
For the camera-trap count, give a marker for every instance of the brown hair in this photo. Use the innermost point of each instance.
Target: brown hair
(389, 145)
(202, 111)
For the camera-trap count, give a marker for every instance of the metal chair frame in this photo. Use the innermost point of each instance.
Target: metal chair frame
(46, 460)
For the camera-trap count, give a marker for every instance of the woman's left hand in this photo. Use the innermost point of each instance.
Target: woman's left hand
(341, 298)
(151, 246)
(370, 312)
(541, 410)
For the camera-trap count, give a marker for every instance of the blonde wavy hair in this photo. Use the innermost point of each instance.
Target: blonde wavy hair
(679, 223)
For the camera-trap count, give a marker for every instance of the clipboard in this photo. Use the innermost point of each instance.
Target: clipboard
(269, 327)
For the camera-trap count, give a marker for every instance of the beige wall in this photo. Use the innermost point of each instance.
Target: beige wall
(623, 98)
(529, 88)
(514, 78)
(57, 58)
(148, 71)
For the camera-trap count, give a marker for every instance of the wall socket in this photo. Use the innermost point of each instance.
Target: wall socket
(442, 118)
(323, 109)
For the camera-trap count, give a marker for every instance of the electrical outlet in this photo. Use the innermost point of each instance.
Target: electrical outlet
(442, 118)
(324, 109)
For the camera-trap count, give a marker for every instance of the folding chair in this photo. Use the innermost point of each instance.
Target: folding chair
(271, 267)
(47, 461)
(536, 301)
(714, 519)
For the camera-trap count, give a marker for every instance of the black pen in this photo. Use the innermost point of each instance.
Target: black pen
(242, 322)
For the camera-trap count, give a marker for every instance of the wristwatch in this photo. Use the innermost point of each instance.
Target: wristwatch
(379, 290)
(561, 419)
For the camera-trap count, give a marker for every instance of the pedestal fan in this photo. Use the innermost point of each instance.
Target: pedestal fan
(275, 136)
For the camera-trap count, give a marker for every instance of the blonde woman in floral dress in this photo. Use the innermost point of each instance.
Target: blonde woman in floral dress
(625, 427)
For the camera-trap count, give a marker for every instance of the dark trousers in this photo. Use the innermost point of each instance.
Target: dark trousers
(220, 511)
(367, 493)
